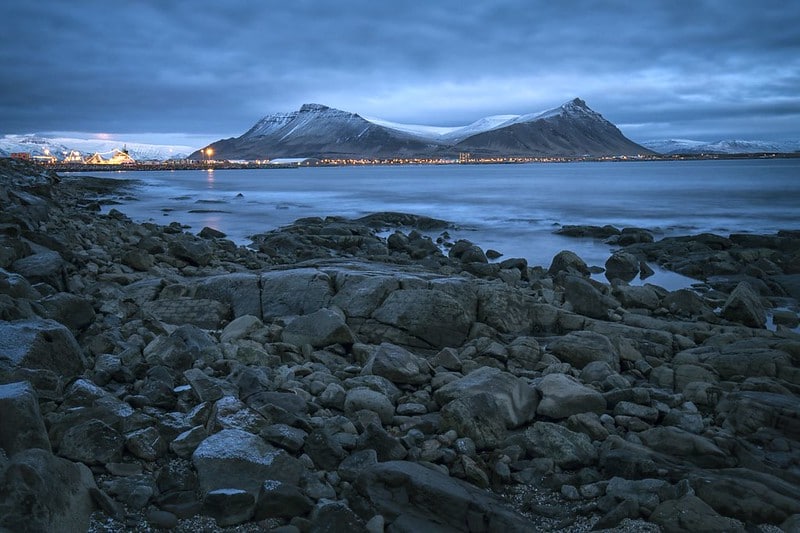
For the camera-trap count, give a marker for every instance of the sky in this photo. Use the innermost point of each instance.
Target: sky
(194, 71)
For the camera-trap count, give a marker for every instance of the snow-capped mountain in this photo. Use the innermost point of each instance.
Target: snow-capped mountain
(319, 131)
(687, 146)
(59, 146)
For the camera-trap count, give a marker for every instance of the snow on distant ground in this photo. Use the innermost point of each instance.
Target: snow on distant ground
(57, 146)
(688, 146)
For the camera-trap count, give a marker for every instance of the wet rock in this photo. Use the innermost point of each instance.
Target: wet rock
(192, 250)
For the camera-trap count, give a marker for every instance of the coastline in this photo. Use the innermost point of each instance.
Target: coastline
(515, 395)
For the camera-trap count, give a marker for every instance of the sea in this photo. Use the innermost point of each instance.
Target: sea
(511, 208)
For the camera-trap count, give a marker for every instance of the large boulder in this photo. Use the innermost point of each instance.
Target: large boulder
(410, 493)
(359, 295)
(579, 348)
(22, 426)
(237, 459)
(71, 310)
(568, 262)
(45, 267)
(586, 299)
(241, 291)
(744, 306)
(515, 399)
(423, 318)
(398, 365)
(622, 265)
(567, 448)
(39, 344)
(690, 513)
(41, 492)
(294, 292)
(319, 329)
(564, 396)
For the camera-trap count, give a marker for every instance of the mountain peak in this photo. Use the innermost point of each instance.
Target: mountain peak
(313, 107)
(576, 102)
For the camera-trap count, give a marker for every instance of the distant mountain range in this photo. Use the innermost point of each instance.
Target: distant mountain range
(34, 144)
(572, 129)
(686, 146)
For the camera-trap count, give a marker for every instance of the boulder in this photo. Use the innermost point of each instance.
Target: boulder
(564, 396)
(91, 442)
(398, 365)
(514, 399)
(424, 318)
(676, 442)
(406, 492)
(241, 291)
(299, 291)
(744, 306)
(622, 265)
(364, 398)
(319, 329)
(22, 424)
(638, 297)
(199, 312)
(281, 500)
(71, 310)
(587, 300)
(236, 459)
(359, 295)
(39, 344)
(690, 513)
(43, 267)
(750, 496)
(475, 416)
(747, 412)
(240, 327)
(568, 262)
(194, 251)
(579, 348)
(41, 492)
(568, 449)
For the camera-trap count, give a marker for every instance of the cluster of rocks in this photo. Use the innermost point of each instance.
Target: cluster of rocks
(331, 379)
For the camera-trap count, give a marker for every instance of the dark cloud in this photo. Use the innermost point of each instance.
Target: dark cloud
(709, 69)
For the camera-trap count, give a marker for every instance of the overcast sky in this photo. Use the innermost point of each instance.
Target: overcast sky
(193, 71)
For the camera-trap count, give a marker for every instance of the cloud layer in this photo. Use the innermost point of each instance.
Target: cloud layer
(697, 69)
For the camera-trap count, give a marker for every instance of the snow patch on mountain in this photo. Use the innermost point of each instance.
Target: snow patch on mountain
(735, 146)
(36, 144)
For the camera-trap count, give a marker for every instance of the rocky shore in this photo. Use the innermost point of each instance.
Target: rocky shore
(329, 379)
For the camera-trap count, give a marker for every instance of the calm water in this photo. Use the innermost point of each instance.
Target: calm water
(510, 208)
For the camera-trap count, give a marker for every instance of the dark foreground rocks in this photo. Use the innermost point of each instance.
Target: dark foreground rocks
(333, 380)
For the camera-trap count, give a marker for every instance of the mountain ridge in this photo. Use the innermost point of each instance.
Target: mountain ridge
(316, 130)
